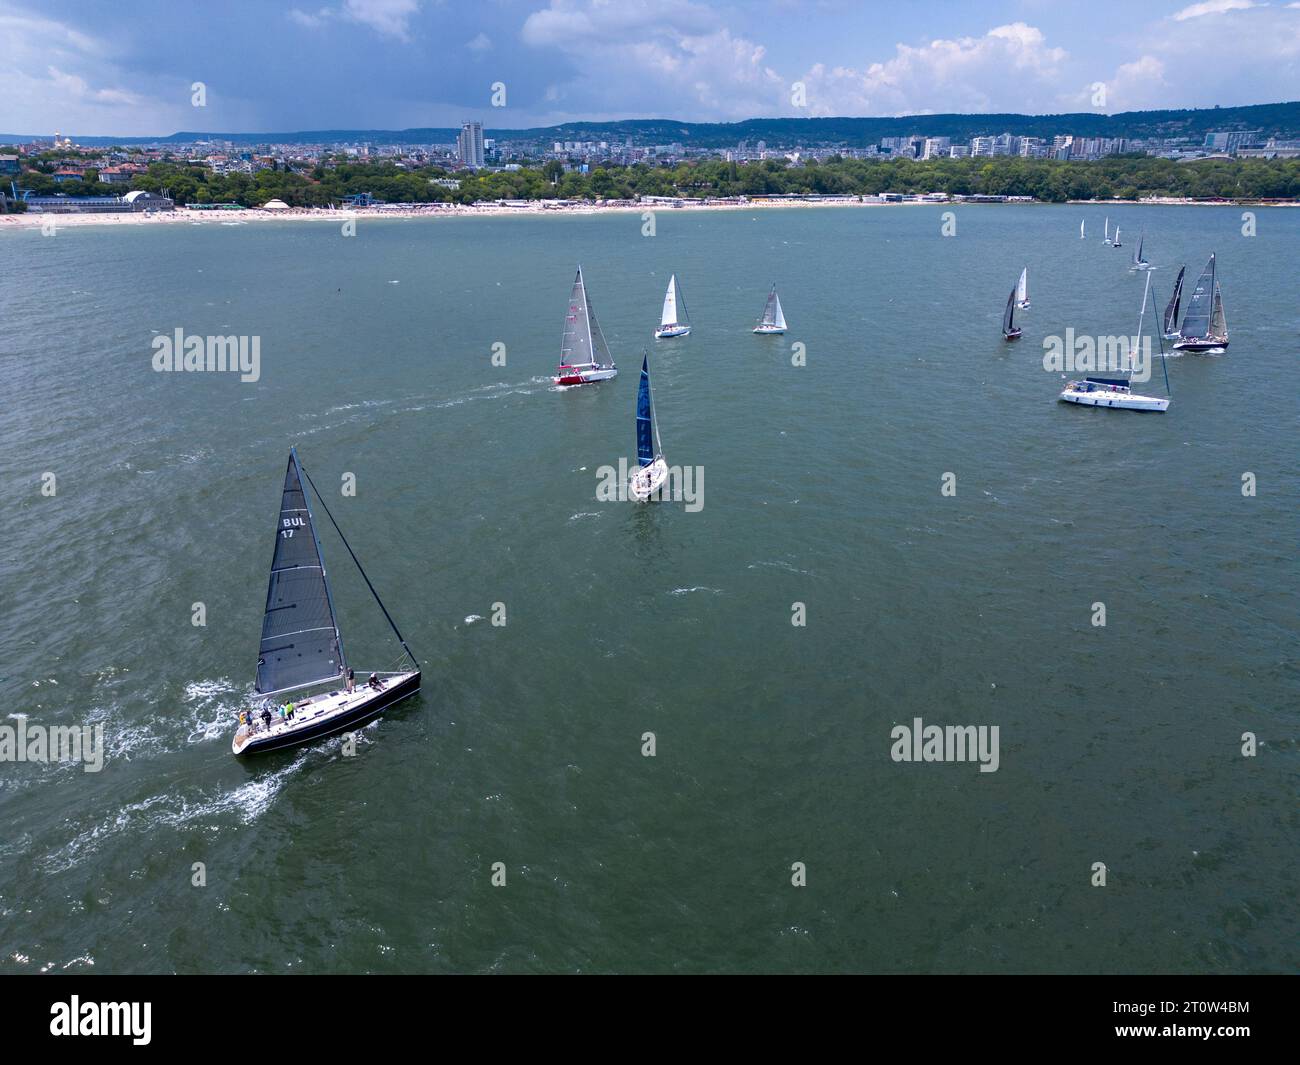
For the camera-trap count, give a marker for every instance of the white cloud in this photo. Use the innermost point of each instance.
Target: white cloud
(1214, 7)
(481, 43)
(388, 18)
(655, 59)
(55, 77)
(1001, 71)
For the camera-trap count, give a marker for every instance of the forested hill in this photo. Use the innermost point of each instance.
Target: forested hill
(1280, 119)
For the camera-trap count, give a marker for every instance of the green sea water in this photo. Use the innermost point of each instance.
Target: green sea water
(476, 485)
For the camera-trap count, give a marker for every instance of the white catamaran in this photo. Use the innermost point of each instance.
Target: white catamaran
(1022, 289)
(673, 322)
(773, 318)
(301, 644)
(584, 355)
(1205, 328)
(652, 471)
(1118, 391)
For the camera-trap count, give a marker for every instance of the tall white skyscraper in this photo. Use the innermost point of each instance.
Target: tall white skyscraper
(469, 145)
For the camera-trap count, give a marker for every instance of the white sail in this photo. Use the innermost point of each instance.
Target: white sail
(1106, 232)
(778, 316)
(669, 317)
(1022, 287)
(1081, 225)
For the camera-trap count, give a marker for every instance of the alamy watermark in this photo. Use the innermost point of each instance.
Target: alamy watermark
(1088, 354)
(178, 352)
(683, 484)
(56, 743)
(920, 742)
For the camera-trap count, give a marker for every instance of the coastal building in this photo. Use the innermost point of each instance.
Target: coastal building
(469, 145)
(132, 202)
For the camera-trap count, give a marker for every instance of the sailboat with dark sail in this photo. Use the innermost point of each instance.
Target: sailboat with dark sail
(302, 647)
(1140, 263)
(652, 472)
(1010, 331)
(1205, 328)
(584, 355)
(1169, 323)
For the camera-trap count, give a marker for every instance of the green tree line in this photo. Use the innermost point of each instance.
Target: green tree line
(1124, 177)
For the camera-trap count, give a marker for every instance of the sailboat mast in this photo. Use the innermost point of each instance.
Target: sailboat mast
(1141, 317)
(360, 570)
(324, 572)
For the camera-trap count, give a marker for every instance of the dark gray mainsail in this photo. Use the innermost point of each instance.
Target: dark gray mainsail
(300, 636)
(1200, 305)
(1171, 310)
(583, 343)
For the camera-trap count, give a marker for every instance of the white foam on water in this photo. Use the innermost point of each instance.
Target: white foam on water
(248, 802)
(697, 588)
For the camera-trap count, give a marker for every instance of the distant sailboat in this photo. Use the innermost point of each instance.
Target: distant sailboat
(773, 318)
(1169, 325)
(1118, 391)
(653, 470)
(1140, 263)
(1205, 328)
(584, 355)
(1107, 240)
(1010, 331)
(301, 644)
(673, 322)
(1081, 223)
(1022, 289)
(1115, 243)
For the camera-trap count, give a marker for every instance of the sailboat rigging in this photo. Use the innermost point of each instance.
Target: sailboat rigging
(584, 355)
(302, 646)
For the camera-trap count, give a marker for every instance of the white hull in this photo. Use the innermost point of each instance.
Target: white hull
(1022, 305)
(769, 330)
(666, 331)
(1121, 400)
(647, 480)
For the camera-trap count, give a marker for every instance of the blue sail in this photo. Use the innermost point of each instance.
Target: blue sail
(645, 430)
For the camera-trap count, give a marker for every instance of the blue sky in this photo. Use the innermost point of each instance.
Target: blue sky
(127, 67)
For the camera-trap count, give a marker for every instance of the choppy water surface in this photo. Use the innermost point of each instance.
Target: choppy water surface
(476, 485)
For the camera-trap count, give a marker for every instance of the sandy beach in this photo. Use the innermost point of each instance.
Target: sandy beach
(243, 216)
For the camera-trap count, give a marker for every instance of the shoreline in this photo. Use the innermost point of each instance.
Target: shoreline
(247, 215)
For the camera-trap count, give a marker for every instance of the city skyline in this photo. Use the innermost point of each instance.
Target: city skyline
(406, 63)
